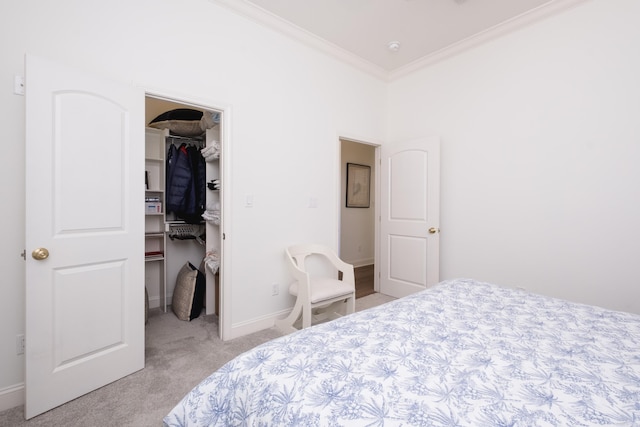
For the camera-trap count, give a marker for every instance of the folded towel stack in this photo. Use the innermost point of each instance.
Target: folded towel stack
(212, 213)
(211, 152)
(212, 216)
(212, 261)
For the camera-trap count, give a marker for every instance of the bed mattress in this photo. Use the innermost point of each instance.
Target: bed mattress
(461, 353)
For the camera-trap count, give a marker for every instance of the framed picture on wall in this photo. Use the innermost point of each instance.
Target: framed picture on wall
(358, 185)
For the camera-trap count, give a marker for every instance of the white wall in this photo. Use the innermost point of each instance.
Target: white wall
(286, 103)
(540, 154)
(357, 225)
(540, 141)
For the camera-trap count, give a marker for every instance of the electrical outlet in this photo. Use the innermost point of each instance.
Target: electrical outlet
(20, 344)
(275, 290)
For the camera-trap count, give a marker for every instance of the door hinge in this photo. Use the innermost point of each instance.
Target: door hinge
(224, 236)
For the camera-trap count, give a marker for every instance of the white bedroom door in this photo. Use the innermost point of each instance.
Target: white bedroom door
(84, 233)
(410, 217)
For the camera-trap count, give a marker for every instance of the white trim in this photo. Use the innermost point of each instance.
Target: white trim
(261, 16)
(377, 144)
(11, 396)
(361, 262)
(543, 11)
(274, 22)
(154, 302)
(225, 280)
(345, 136)
(379, 195)
(256, 325)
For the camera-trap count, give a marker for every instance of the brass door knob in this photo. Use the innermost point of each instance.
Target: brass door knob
(40, 254)
(434, 230)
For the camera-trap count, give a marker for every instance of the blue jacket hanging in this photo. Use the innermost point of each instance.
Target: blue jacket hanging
(197, 193)
(185, 183)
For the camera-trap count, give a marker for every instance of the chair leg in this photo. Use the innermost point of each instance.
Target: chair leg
(331, 312)
(341, 308)
(306, 316)
(286, 325)
(351, 304)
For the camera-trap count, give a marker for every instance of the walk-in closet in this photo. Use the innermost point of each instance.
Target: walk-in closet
(183, 239)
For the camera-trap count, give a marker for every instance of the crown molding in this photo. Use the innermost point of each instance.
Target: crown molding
(263, 17)
(520, 21)
(274, 22)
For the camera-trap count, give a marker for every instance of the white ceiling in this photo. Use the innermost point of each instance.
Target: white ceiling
(425, 29)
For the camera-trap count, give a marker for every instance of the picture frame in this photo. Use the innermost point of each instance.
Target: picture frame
(358, 185)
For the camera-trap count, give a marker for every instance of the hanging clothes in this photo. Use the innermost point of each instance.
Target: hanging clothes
(185, 182)
(197, 195)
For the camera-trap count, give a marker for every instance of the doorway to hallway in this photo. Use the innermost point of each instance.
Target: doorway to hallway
(357, 220)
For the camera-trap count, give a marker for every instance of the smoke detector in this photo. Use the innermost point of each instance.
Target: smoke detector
(394, 46)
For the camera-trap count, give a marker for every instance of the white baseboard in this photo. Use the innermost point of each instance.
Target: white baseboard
(256, 325)
(154, 302)
(10, 397)
(361, 262)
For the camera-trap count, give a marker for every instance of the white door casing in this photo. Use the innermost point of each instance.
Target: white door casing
(85, 205)
(409, 216)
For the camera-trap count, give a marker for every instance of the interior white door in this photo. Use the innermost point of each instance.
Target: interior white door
(409, 216)
(84, 207)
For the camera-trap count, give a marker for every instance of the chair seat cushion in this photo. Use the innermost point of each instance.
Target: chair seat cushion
(323, 289)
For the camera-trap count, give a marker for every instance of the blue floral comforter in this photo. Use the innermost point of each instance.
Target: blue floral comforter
(462, 353)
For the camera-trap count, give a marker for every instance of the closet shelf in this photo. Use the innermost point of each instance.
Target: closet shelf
(153, 255)
(180, 239)
(155, 239)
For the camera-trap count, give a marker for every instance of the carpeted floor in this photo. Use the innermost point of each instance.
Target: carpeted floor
(178, 356)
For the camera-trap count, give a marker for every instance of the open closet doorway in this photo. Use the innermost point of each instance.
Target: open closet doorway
(358, 243)
(183, 229)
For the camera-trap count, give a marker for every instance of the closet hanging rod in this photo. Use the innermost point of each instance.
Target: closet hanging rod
(178, 140)
(186, 138)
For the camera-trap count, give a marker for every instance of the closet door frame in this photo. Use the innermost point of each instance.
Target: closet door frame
(224, 274)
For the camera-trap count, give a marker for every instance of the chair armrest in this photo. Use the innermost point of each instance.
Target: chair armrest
(348, 274)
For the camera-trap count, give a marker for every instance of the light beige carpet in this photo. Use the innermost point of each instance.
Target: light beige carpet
(178, 356)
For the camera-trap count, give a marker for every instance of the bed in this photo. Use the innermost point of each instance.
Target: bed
(461, 353)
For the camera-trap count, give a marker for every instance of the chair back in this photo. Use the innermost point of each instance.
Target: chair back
(316, 260)
(324, 286)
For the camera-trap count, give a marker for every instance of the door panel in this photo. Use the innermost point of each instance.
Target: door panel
(85, 283)
(407, 181)
(410, 188)
(85, 205)
(404, 268)
(80, 149)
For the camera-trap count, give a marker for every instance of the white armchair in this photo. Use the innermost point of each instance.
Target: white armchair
(318, 297)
